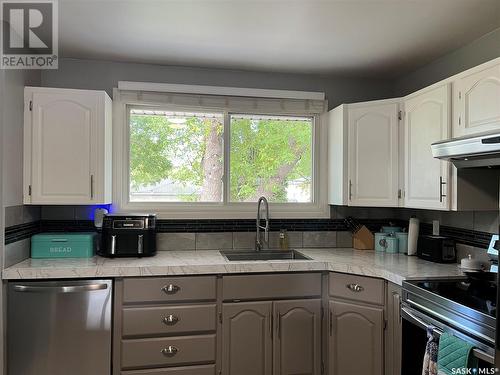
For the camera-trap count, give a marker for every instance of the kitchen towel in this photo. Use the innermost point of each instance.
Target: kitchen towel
(431, 354)
(455, 355)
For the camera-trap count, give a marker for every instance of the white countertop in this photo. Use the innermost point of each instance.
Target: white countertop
(392, 267)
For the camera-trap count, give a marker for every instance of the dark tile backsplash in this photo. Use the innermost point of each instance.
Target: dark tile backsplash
(21, 231)
(464, 236)
(247, 225)
(67, 226)
(470, 228)
(482, 221)
(225, 225)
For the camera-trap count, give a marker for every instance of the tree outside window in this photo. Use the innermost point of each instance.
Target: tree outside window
(179, 157)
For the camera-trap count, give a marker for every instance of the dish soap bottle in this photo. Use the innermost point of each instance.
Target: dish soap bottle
(283, 239)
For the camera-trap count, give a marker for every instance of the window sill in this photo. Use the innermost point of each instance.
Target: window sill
(228, 211)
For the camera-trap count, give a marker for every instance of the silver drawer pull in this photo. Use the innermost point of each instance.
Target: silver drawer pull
(171, 289)
(170, 320)
(355, 287)
(169, 351)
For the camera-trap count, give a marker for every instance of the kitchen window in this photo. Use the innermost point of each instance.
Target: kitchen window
(271, 156)
(175, 156)
(210, 161)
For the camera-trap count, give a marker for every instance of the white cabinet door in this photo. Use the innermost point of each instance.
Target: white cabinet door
(427, 120)
(476, 101)
(64, 147)
(373, 155)
(337, 156)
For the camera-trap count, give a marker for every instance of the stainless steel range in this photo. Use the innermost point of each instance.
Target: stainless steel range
(477, 156)
(453, 306)
(464, 306)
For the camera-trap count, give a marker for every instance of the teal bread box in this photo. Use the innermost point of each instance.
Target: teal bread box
(63, 245)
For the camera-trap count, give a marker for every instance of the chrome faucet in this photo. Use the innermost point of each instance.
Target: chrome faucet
(258, 242)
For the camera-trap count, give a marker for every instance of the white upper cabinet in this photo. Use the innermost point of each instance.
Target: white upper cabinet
(67, 146)
(426, 120)
(373, 155)
(367, 168)
(338, 178)
(363, 154)
(476, 100)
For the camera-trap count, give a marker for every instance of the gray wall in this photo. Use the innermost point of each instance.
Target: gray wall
(12, 84)
(3, 295)
(479, 51)
(104, 75)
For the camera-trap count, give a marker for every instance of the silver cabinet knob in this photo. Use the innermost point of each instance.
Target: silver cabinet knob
(169, 351)
(355, 287)
(171, 289)
(170, 320)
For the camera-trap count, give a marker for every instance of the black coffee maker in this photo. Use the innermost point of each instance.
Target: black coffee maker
(128, 235)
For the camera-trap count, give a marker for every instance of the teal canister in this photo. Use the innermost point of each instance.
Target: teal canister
(403, 242)
(380, 243)
(392, 244)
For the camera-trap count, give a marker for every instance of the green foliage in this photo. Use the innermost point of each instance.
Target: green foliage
(160, 149)
(149, 149)
(265, 154)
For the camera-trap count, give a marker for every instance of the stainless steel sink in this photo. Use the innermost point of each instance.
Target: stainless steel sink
(263, 255)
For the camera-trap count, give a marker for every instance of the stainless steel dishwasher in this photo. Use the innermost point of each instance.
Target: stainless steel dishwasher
(59, 327)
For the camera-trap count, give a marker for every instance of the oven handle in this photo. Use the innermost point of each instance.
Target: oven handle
(415, 319)
(447, 320)
(421, 322)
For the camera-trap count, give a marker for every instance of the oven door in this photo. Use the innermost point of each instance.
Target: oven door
(414, 340)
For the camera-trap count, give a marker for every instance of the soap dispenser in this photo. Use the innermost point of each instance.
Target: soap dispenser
(283, 237)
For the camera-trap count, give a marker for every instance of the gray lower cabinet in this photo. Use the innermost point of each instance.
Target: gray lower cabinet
(393, 343)
(271, 324)
(165, 326)
(258, 324)
(356, 341)
(264, 338)
(247, 338)
(189, 370)
(168, 320)
(168, 351)
(297, 344)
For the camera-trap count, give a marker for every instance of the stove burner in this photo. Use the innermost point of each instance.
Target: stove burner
(464, 306)
(476, 294)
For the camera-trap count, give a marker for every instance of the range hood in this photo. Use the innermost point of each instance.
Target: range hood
(479, 150)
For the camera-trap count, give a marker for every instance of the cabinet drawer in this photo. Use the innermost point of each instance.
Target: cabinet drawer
(150, 352)
(166, 289)
(189, 370)
(358, 288)
(168, 320)
(270, 286)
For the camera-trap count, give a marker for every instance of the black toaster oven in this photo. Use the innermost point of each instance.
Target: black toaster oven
(128, 235)
(437, 249)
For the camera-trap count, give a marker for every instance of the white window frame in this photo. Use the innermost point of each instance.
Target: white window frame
(213, 210)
